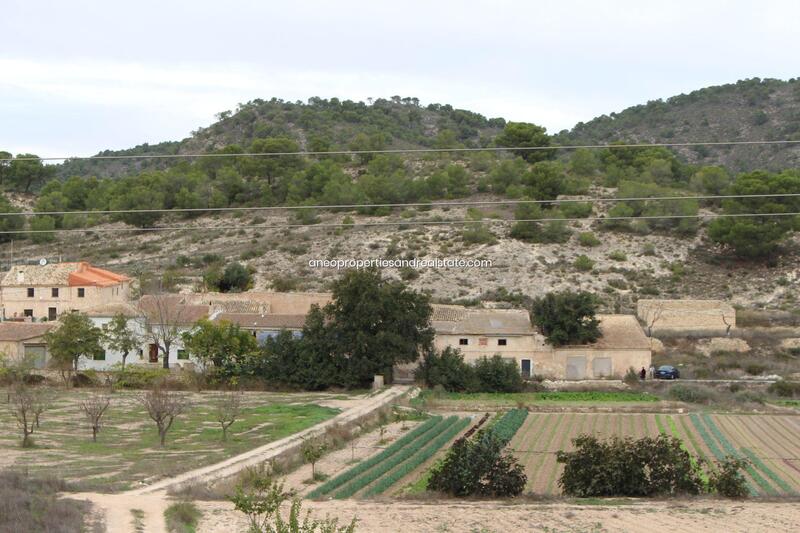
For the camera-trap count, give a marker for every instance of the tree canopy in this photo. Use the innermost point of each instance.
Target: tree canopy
(567, 317)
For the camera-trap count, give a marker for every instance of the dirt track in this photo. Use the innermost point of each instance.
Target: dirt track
(413, 516)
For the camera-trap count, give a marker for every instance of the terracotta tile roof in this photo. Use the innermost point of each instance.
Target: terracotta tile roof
(171, 309)
(482, 322)
(258, 321)
(21, 331)
(72, 274)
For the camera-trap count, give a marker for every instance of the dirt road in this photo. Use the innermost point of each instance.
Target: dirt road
(149, 502)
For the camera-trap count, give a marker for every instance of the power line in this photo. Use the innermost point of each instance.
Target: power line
(401, 223)
(408, 150)
(397, 205)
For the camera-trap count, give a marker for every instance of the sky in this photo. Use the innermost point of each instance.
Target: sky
(81, 76)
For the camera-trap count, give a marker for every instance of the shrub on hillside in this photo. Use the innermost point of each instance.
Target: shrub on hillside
(785, 389)
(691, 393)
(567, 317)
(478, 467)
(649, 466)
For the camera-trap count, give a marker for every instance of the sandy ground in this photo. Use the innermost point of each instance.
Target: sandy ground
(115, 510)
(500, 517)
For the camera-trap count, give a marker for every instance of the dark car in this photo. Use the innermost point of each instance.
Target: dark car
(667, 372)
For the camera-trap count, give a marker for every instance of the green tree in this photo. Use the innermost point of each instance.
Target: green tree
(9, 222)
(372, 324)
(137, 198)
(566, 317)
(42, 229)
(235, 278)
(26, 172)
(118, 336)
(75, 337)
(758, 236)
(273, 167)
(222, 344)
(525, 135)
(446, 369)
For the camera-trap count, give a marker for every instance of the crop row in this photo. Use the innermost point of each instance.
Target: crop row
(507, 426)
(363, 466)
(401, 455)
(758, 478)
(417, 459)
(476, 427)
(768, 471)
(712, 445)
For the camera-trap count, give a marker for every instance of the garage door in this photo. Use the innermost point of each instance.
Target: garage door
(601, 367)
(37, 355)
(576, 367)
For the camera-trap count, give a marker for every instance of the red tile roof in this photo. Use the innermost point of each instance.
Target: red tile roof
(87, 274)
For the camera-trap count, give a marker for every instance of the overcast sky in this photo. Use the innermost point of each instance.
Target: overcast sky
(80, 76)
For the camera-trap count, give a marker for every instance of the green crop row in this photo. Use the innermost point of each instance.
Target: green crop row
(673, 428)
(660, 425)
(768, 471)
(509, 424)
(712, 445)
(758, 478)
(384, 466)
(363, 466)
(417, 459)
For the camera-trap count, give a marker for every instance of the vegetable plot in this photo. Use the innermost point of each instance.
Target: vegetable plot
(383, 470)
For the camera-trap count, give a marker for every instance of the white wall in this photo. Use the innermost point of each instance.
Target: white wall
(113, 357)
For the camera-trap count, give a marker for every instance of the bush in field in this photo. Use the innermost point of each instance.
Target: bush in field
(495, 374)
(583, 263)
(627, 467)
(478, 467)
(262, 504)
(691, 393)
(727, 479)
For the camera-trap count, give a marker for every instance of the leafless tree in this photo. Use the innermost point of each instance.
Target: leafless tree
(163, 407)
(728, 325)
(27, 404)
(94, 407)
(652, 317)
(227, 409)
(163, 316)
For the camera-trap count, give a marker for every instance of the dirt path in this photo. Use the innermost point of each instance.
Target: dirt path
(379, 516)
(152, 500)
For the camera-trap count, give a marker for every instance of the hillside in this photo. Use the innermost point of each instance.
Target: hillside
(751, 109)
(318, 125)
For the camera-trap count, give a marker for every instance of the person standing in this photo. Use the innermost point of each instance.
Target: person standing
(642, 374)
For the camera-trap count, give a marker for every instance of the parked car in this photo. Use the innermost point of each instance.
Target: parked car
(667, 372)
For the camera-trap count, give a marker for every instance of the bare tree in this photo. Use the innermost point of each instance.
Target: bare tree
(26, 405)
(163, 316)
(163, 407)
(652, 317)
(94, 408)
(728, 325)
(313, 449)
(227, 409)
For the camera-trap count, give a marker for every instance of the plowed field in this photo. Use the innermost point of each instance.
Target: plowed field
(770, 442)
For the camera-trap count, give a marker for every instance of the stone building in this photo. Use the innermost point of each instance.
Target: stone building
(686, 315)
(42, 292)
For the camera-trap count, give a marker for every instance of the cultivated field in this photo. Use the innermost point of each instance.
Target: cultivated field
(770, 442)
(127, 454)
